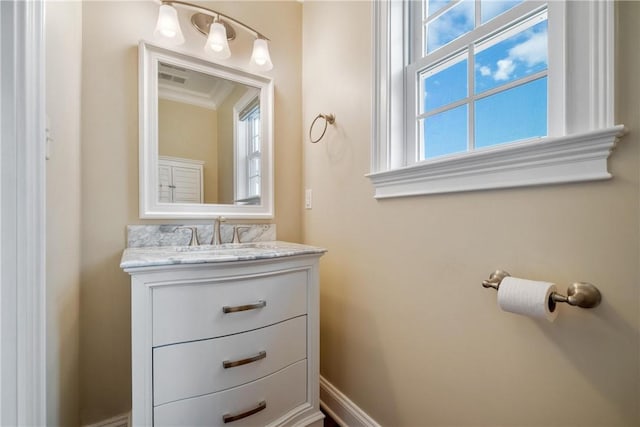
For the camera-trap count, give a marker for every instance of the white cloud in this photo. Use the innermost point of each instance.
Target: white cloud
(532, 51)
(505, 68)
(450, 25)
(485, 71)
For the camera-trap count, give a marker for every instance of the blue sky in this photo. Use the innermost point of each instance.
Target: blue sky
(460, 18)
(513, 114)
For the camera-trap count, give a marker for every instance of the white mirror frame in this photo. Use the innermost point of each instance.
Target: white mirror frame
(149, 57)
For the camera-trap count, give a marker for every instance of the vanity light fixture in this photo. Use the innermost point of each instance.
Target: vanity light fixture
(213, 24)
(217, 41)
(260, 57)
(168, 29)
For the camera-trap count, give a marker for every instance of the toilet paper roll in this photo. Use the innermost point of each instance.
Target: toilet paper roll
(527, 297)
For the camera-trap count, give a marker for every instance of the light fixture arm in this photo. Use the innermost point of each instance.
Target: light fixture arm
(215, 14)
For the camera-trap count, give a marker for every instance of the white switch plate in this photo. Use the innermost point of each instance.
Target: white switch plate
(307, 198)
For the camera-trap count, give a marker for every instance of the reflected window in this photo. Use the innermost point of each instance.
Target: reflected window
(248, 155)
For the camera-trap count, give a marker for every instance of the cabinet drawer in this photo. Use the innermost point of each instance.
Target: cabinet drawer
(281, 392)
(196, 368)
(195, 311)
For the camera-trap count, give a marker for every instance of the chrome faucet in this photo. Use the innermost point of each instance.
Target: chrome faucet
(216, 238)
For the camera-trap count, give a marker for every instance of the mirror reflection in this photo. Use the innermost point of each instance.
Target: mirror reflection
(208, 138)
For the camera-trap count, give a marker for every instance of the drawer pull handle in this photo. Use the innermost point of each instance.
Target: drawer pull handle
(228, 418)
(228, 364)
(259, 304)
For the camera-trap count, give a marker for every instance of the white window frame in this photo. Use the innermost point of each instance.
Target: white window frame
(576, 149)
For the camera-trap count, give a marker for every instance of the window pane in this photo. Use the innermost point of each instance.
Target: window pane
(445, 133)
(254, 142)
(256, 124)
(450, 25)
(518, 56)
(432, 6)
(254, 186)
(444, 86)
(512, 115)
(489, 9)
(254, 167)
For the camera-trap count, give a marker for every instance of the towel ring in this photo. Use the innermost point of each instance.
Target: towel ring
(328, 119)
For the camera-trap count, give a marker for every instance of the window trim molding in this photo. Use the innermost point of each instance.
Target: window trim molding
(581, 155)
(541, 161)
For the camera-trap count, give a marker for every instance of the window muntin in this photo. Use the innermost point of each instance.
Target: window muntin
(490, 66)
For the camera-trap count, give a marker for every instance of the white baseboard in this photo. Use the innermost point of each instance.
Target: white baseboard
(341, 409)
(123, 420)
(333, 401)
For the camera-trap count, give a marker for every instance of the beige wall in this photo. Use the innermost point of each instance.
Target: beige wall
(191, 132)
(63, 40)
(111, 31)
(407, 332)
(226, 161)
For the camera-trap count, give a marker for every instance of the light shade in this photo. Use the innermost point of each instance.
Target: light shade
(260, 57)
(217, 43)
(168, 28)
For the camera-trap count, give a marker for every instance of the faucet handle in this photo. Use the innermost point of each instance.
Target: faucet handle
(236, 232)
(194, 234)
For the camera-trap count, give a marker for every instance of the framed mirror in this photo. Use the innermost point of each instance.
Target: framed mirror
(206, 138)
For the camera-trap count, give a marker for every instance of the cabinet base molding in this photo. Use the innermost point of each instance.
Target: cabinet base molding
(302, 416)
(341, 408)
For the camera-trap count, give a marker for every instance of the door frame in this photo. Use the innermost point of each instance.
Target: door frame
(22, 214)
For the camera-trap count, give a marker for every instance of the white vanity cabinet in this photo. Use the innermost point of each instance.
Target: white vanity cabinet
(226, 343)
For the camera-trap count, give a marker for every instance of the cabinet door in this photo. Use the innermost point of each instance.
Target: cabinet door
(180, 180)
(187, 185)
(164, 181)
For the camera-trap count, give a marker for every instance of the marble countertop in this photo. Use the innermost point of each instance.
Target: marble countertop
(171, 255)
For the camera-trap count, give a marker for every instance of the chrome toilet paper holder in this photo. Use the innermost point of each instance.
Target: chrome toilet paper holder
(580, 294)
